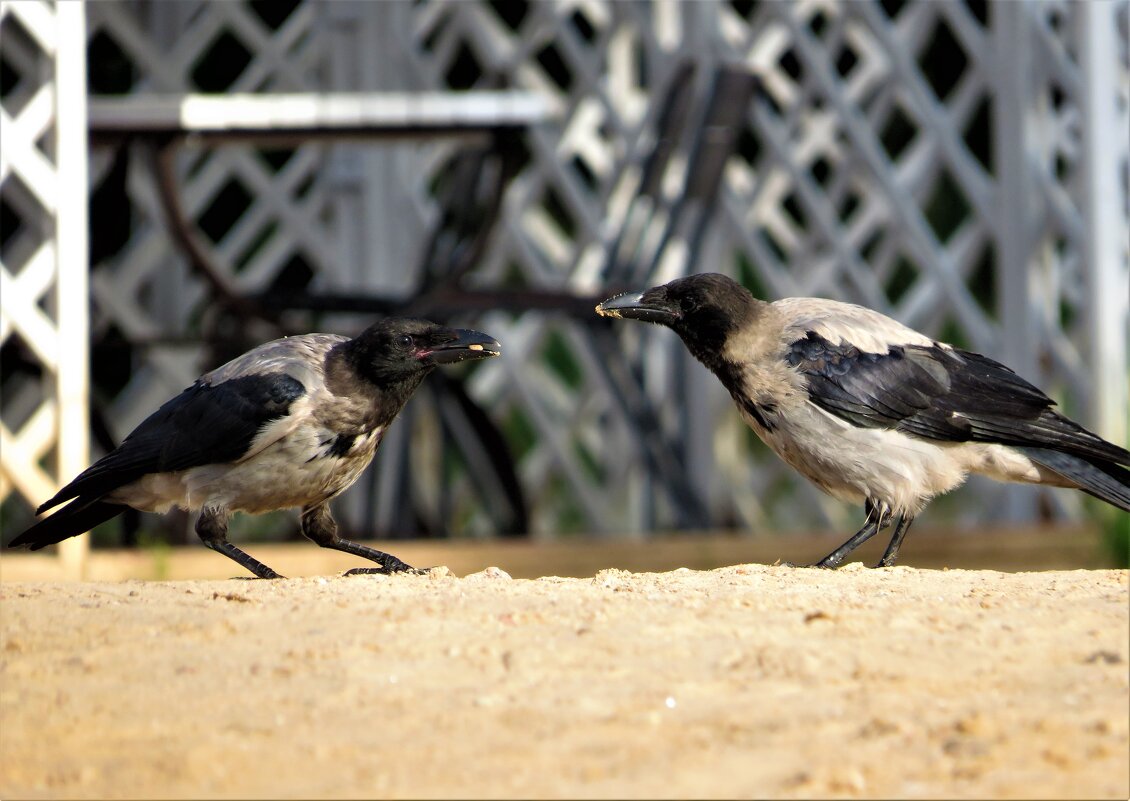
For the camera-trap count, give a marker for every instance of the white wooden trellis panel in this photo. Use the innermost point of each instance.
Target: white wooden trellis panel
(43, 287)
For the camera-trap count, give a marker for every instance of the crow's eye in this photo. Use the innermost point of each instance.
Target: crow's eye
(405, 341)
(686, 304)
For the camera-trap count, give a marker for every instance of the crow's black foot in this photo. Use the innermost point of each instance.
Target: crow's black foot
(824, 564)
(821, 565)
(270, 575)
(369, 571)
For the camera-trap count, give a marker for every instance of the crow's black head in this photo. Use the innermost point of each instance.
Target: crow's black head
(704, 310)
(398, 351)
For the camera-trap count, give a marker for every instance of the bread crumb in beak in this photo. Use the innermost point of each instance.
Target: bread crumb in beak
(474, 347)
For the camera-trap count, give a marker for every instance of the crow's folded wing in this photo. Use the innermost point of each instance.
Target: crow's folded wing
(939, 393)
(205, 424)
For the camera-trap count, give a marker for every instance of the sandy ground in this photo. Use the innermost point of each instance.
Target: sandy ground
(743, 681)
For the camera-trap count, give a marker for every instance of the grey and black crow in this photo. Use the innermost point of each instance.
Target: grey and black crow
(291, 423)
(871, 411)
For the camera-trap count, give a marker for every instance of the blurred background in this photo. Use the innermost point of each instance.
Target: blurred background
(183, 180)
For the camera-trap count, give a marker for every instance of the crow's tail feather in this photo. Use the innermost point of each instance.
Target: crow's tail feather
(1105, 480)
(73, 519)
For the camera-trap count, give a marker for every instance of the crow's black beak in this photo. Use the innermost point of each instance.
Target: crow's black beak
(634, 306)
(466, 346)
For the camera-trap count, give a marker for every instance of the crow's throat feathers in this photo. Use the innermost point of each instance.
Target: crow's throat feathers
(355, 403)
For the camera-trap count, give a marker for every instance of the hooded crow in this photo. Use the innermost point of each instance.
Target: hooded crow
(293, 422)
(871, 411)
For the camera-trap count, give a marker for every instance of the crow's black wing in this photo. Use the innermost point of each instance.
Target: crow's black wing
(205, 424)
(938, 393)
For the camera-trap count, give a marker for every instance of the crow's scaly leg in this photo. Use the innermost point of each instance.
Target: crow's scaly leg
(212, 528)
(319, 526)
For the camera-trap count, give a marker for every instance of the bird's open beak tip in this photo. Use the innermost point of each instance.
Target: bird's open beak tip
(620, 306)
(631, 306)
(468, 345)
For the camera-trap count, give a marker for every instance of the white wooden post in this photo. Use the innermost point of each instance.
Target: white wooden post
(1106, 149)
(43, 281)
(71, 296)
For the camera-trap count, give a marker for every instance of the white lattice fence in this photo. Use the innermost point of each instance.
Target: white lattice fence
(260, 211)
(961, 166)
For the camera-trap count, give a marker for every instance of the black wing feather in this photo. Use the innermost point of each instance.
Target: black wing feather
(941, 394)
(1105, 481)
(205, 424)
